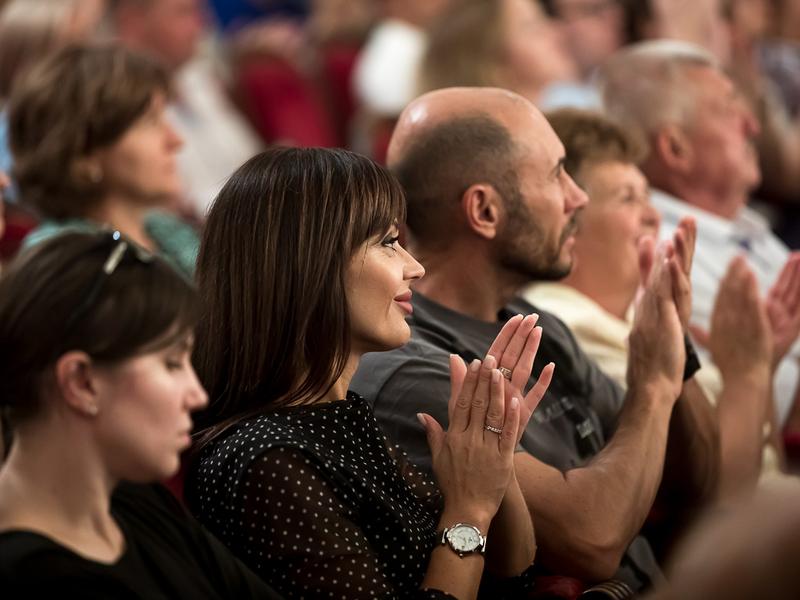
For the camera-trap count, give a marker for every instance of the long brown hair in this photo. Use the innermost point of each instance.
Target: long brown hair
(274, 327)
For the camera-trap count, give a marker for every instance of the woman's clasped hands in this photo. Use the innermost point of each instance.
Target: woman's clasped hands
(488, 413)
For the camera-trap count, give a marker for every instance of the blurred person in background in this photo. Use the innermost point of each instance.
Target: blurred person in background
(749, 551)
(593, 30)
(734, 31)
(510, 44)
(764, 67)
(293, 74)
(597, 299)
(698, 22)
(93, 148)
(96, 379)
(702, 162)
(779, 141)
(29, 31)
(386, 73)
(217, 137)
(779, 52)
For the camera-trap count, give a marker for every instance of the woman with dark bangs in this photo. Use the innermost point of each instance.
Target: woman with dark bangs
(95, 340)
(301, 273)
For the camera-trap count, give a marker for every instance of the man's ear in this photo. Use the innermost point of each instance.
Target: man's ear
(481, 205)
(674, 148)
(76, 382)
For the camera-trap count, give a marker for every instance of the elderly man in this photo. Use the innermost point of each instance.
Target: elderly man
(490, 207)
(702, 162)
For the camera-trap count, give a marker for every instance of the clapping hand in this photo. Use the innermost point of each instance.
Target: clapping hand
(783, 308)
(515, 349)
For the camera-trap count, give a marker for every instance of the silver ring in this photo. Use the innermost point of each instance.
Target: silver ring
(496, 430)
(505, 372)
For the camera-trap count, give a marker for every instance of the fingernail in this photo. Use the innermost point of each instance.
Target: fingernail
(514, 402)
(421, 419)
(495, 375)
(475, 365)
(490, 361)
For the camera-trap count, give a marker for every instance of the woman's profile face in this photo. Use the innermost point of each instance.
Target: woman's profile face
(141, 166)
(379, 294)
(618, 215)
(143, 421)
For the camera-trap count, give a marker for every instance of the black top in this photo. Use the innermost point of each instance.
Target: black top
(167, 555)
(311, 498)
(573, 422)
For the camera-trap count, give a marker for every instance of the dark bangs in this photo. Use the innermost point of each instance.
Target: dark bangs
(378, 202)
(271, 273)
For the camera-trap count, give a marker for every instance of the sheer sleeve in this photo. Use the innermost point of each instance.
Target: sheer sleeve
(420, 482)
(299, 532)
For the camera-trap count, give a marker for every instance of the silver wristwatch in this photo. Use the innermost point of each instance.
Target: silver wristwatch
(464, 539)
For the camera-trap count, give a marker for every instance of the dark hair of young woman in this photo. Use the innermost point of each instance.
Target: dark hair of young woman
(48, 307)
(274, 322)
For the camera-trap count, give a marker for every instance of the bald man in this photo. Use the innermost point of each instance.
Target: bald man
(490, 208)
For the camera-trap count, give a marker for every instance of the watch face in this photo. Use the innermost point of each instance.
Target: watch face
(463, 538)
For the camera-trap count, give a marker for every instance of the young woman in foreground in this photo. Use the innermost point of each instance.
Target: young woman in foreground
(95, 337)
(300, 273)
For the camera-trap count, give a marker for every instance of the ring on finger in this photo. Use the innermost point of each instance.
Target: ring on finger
(496, 430)
(505, 372)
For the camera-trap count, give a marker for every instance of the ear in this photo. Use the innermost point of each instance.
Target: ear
(674, 149)
(481, 205)
(77, 383)
(87, 169)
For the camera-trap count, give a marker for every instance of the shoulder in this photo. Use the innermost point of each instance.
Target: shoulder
(263, 446)
(177, 240)
(50, 229)
(419, 360)
(558, 342)
(33, 565)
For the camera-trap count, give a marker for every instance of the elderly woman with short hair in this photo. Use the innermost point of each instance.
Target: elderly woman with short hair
(93, 148)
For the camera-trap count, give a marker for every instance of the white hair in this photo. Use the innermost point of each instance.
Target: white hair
(645, 85)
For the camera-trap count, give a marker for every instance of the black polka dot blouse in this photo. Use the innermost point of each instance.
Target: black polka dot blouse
(312, 499)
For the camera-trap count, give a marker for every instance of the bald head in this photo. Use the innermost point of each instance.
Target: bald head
(450, 104)
(451, 139)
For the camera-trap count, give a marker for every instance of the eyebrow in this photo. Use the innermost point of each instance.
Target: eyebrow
(559, 166)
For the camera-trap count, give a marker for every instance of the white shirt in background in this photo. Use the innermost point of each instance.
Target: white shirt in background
(718, 242)
(217, 138)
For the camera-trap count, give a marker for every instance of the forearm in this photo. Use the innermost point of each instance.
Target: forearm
(692, 463)
(511, 547)
(741, 414)
(587, 517)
